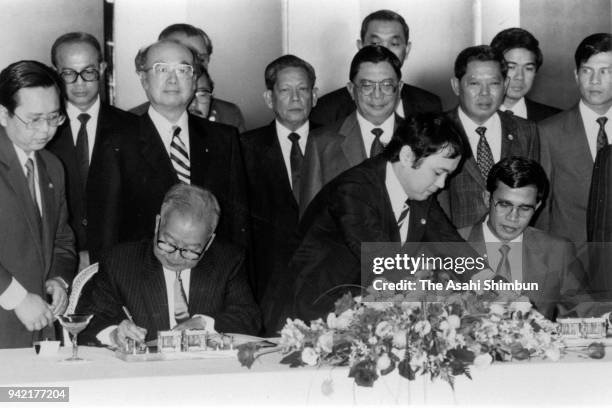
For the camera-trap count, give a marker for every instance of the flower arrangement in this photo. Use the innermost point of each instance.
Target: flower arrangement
(441, 338)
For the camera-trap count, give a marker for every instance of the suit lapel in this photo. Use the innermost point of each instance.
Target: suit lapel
(156, 298)
(49, 206)
(199, 285)
(508, 135)
(352, 145)
(199, 149)
(574, 125)
(275, 164)
(152, 149)
(534, 263)
(469, 165)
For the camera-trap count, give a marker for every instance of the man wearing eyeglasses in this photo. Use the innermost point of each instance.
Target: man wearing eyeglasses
(375, 80)
(37, 255)
(77, 57)
(169, 146)
(516, 188)
(183, 278)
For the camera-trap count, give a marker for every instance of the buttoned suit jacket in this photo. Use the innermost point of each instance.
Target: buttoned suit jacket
(462, 199)
(27, 254)
(550, 262)
(338, 104)
(331, 150)
(127, 190)
(111, 121)
(353, 209)
(537, 111)
(130, 275)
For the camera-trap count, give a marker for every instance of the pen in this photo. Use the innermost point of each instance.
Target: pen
(128, 314)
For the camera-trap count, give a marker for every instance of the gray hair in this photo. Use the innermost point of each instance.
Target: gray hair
(193, 201)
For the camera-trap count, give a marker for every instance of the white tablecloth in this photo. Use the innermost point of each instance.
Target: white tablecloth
(106, 380)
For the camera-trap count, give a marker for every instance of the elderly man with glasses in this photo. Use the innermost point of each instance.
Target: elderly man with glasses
(169, 145)
(183, 278)
(77, 57)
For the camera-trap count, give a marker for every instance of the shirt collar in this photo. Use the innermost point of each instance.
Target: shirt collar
(387, 126)
(23, 156)
(163, 125)
(283, 132)
(589, 115)
(489, 236)
(397, 195)
(470, 126)
(519, 109)
(73, 112)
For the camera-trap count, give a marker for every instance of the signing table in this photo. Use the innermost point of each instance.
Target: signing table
(106, 380)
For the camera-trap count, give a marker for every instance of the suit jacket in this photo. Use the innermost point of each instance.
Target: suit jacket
(550, 262)
(111, 121)
(338, 104)
(537, 112)
(220, 111)
(331, 150)
(462, 199)
(353, 209)
(128, 188)
(130, 275)
(30, 255)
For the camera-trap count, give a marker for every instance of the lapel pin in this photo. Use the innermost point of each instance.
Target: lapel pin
(423, 221)
(50, 185)
(510, 137)
(206, 150)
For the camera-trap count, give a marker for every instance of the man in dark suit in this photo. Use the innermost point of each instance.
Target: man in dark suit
(389, 199)
(77, 57)
(388, 29)
(522, 53)
(168, 145)
(570, 141)
(374, 84)
(182, 279)
(37, 256)
(273, 157)
(480, 83)
(519, 253)
(220, 111)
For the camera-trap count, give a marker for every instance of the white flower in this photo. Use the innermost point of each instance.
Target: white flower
(383, 329)
(399, 339)
(553, 353)
(417, 360)
(483, 360)
(373, 340)
(423, 327)
(454, 321)
(444, 326)
(341, 322)
(383, 362)
(496, 309)
(310, 356)
(325, 342)
(292, 335)
(521, 306)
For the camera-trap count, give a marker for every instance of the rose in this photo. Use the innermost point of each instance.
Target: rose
(326, 342)
(454, 321)
(364, 373)
(399, 339)
(483, 360)
(341, 322)
(310, 356)
(383, 363)
(383, 329)
(423, 327)
(521, 306)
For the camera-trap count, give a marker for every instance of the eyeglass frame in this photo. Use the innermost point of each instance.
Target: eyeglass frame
(173, 69)
(377, 84)
(30, 125)
(505, 211)
(80, 74)
(208, 94)
(181, 250)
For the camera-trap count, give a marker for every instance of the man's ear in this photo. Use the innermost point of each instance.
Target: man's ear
(577, 83)
(538, 204)
(359, 44)
(102, 68)
(406, 156)
(157, 222)
(315, 96)
(408, 48)
(455, 85)
(351, 87)
(4, 115)
(267, 95)
(486, 196)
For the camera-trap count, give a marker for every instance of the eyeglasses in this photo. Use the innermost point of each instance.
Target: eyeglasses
(70, 76)
(185, 253)
(505, 208)
(203, 95)
(366, 88)
(53, 120)
(164, 69)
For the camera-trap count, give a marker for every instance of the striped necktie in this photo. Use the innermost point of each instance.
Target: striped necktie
(181, 309)
(503, 268)
(180, 157)
(403, 219)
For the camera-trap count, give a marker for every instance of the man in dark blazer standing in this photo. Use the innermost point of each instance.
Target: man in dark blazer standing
(77, 58)
(273, 157)
(169, 145)
(37, 256)
(388, 29)
(522, 53)
(183, 278)
(480, 83)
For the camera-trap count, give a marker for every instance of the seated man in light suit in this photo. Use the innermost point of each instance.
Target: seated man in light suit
(183, 278)
(375, 81)
(516, 187)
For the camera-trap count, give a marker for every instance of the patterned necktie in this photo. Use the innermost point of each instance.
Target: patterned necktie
(403, 218)
(602, 137)
(376, 147)
(180, 157)
(484, 157)
(296, 157)
(181, 310)
(82, 148)
(503, 268)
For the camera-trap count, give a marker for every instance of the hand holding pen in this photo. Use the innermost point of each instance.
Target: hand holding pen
(128, 329)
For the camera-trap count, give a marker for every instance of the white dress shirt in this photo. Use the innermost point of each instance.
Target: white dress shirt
(493, 134)
(591, 127)
(398, 198)
(515, 255)
(519, 108)
(92, 124)
(399, 109)
(368, 137)
(283, 138)
(166, 129)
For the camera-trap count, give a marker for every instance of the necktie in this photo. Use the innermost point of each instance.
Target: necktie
(509, 112)
(484, 157)
(31, 179)
(403, 219)
(376, 146)
(82, 148)
(503, 268)
(181, 310)
(602, 137)
(180, 157)
(296, 157)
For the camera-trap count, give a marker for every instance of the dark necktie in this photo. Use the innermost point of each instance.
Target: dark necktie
(503, 268)
(180, 157)
(484, 157)
(376, 146)
(31, 179)
(296, 157)
(181, 309)
(403, 218)
(602, 137)
(509, 112)
(82, 148)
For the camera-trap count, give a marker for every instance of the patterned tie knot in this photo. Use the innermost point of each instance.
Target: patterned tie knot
(29, 166)
(377, 132)
(602, 121)
(481, 130)
(176, 130)
(294, 137)
(504, 249)
(83, 118)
